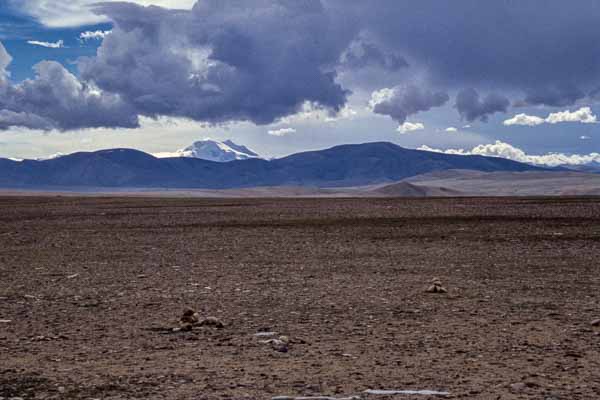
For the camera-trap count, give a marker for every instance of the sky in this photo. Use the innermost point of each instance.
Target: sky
(519, 79)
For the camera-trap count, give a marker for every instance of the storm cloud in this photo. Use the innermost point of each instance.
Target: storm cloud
(471, 107)
(402, 101)
(222, 61)
(545, 50)
(263, 60)
(364, 53)
(56, 99)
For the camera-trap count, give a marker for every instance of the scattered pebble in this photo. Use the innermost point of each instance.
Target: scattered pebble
(183, 328)
(265, 334)
(281, 344)
(189, 317)
(212, 321)
(518, 387)
(596, 322)
(5, 321)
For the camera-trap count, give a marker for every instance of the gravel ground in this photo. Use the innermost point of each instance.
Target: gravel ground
(91, 289)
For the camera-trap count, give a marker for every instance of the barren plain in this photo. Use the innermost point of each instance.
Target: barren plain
(91, 289)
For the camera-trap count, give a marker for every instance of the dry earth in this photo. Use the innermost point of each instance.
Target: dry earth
(90, 286)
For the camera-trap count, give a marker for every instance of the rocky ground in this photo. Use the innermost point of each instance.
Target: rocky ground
(92, 291)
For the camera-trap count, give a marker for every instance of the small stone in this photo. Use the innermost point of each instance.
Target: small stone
(189, 317)
(284, 339)
(277, 344)
(436, 289)
(596, 322)
(186, 327)
(5, 321)
(212, 321)
(518, 387)
(61, 389)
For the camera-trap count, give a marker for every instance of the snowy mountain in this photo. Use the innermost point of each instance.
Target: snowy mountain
(51, 157)
(240, 148)
(213, 150)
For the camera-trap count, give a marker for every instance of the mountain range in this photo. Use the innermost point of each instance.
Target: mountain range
(339, 166)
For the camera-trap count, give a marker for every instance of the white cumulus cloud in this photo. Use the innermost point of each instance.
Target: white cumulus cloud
(524, 119)
(51, 45)
(408, 127)
(93, 35)
(71, 13)
(451, 129)
(506, 150)
(584, 115)
(281, 132)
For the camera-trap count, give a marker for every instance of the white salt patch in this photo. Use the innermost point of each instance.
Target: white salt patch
(393, 392)
(265, 334)
(315, 398)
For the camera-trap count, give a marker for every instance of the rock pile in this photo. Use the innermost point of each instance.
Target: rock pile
(436, 286)
(280, 344)
(190, 318)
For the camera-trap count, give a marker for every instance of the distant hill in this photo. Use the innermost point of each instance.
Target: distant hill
(592, 168)
(508, 183)
(346, 165)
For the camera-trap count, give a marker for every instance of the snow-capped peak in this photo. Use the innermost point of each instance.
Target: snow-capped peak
(240, 148)
(213, 150)
(51, 157)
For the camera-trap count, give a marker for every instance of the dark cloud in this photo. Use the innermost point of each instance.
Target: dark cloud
(56, 99)
(403, 101)
(471, 107)
(363, 54)
(221, 61)
(260, 60)
(9, 119)
(490, 45)
(557, 96)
